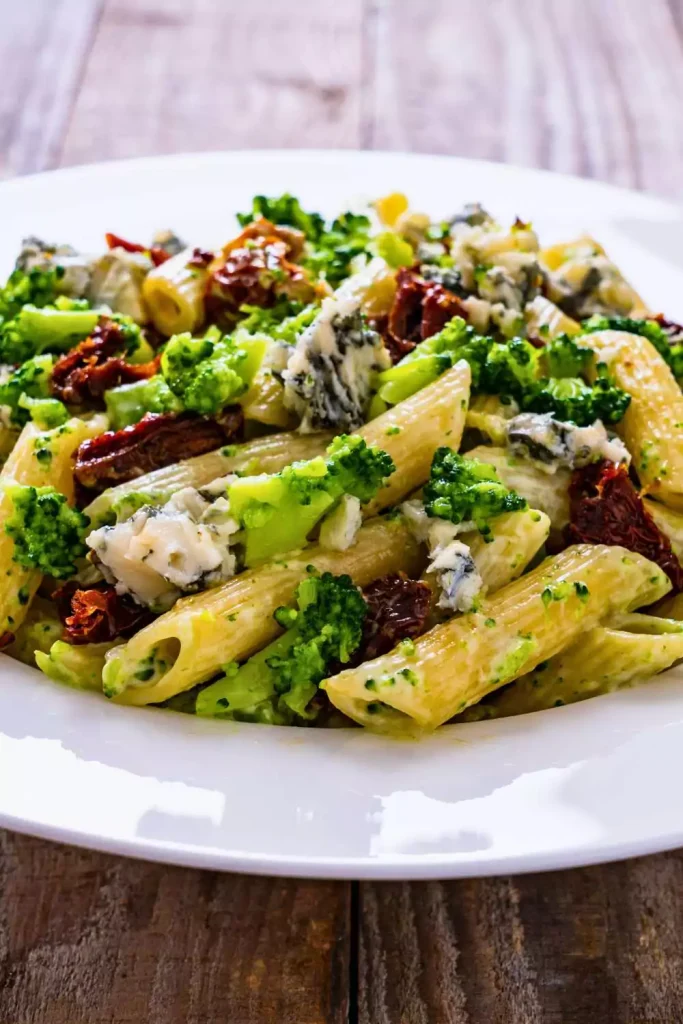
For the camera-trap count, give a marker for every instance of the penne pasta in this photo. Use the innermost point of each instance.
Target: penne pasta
(263, 455)
(174, 294)
(525, 623)
(187, 645)
(546, 321)
(548, 492)
(602, 660)
(39, 459)
(489, 415)
(652, 427)
(515, 539)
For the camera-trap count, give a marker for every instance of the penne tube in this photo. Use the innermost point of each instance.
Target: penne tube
(527, 622)
(40, 458)
(514, 540)
(546, 321)
(174, 294)
(670, 523)
(602, 660)
(548, 492)
(188, 644)
(412, 431)
(652, 427)
(489, 415)
(78, 666)
(267, 454)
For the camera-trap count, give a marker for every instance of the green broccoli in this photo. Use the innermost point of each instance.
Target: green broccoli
(510, 369)
(394, 249)
(563, 357)
(463, 490)
(283, 322)
(46, 413)
(31, 380)
(207, 375)
(330, 256)
(278, 511)
(571, 399)
(278, 684)
(128, 403)
(36, 286)
(650, 329)
(48, 535)
(33, 331)
(284, 210)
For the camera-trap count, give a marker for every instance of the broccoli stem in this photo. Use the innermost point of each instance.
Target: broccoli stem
(56, 328)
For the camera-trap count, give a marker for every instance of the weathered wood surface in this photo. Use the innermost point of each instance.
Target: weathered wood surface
(593, 87)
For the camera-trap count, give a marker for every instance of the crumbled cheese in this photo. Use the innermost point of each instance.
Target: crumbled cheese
(159, 553)
(340, 526)
(329, 373)
(458, 579)
(589, 283)
(552, 444)
(116, 281)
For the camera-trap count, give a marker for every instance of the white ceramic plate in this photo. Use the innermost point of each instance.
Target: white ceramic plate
(576, 785)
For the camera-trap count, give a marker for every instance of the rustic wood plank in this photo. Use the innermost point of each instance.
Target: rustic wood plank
(590, 88)
(42, 48)
(169, 75)
(92, 939)
(594, 946)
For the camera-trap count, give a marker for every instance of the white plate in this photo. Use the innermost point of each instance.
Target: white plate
(576, 785)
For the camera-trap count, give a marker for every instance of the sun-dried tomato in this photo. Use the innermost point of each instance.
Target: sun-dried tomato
(96, 614)
(257, 269)
(156, 441)
(673, 331)
(95, 365)
(398, 609)
(200, 258)
(157, 255)
(420, 309)
(605, 508)
(6, 639)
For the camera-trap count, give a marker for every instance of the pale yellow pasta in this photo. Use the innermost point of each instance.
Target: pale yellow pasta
(545, 320)
(264, 403)
(514, 540)
(489, 415)
(8, 438)
(174, 294)
(39, 630)
(548, 492)
(602, 660)
(672, 608)
(263, 455)
(38, 459)
(527, 622)
(652, 427)
(78, 666)
(412, 431)
(670, 523)
(188, 644)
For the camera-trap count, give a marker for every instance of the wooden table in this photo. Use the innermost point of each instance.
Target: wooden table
(593, 87)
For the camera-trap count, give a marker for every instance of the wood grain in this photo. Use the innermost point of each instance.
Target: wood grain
(594, 946)
(169, 75)
(593, 87)
(42, 48)
(92, 939)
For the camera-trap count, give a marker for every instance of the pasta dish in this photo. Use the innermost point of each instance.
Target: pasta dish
(381, 470)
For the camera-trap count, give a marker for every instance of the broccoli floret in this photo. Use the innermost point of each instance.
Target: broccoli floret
(32, 380)
(207, 375)
(47, 533)
(563, 357)
(282, 322)
(463, 490)
(394, 249)
(510, 369)
(330, 256)
(34, 330)
(278, 684)
(650, 329)
(36, 286)
(572, 400)
(278, 511)
(128, 403)
(284, 210)
(46, 413)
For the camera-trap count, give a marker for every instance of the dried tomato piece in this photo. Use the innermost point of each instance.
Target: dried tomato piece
(157, 256)
(605, 508)
(200, 258)
(95, 365)
(156, 441)
(257, 269)
(673, 331)
(420, 309)
(398, 608)
(6, 639)
(97, 614)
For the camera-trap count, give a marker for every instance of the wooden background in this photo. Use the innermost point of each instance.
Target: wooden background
(593, 87)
